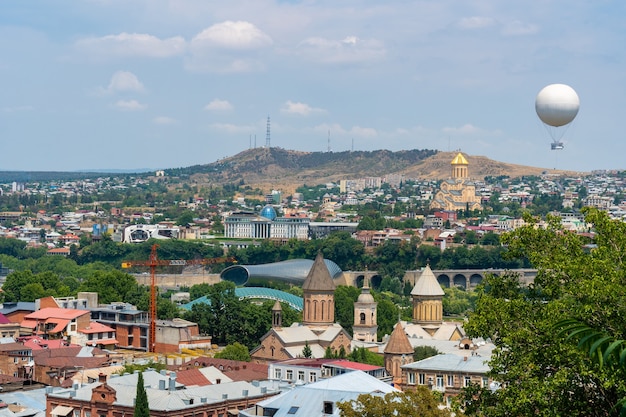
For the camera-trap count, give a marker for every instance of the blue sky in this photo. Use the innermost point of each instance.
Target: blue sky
(130, 84)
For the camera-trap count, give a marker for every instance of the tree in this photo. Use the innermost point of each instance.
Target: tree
(142, 408)
(235, 352)
(306, 350)
(420, 402)
(541, 373)
(423, 352)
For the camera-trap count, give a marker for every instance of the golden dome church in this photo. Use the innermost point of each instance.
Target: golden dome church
(457, 192)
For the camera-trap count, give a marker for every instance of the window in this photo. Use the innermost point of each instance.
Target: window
(422, 379)
(301, 376)
(485, 382)
(450, 380)
(87, 413)
(362, 318)
(411, 378)
(312, 377)
(440, 380)
(468, 381)
(289, 375)
(15, 360)
(328, 407)
(277, 373)
(293, 410)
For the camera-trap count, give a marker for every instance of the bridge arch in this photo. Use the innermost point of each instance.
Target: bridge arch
(443, 280)
(460, 281)
(475, 280)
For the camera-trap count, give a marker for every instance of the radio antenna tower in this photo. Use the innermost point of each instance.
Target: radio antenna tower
(328, 148)
(267, 137)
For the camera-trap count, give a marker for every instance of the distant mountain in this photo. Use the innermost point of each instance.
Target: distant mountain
(274, 168)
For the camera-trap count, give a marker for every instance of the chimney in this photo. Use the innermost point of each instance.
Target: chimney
(465, 358)
(162, 385)
(173, 381)
(102, 378)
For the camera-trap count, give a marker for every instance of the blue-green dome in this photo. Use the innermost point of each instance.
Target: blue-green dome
(268, 212)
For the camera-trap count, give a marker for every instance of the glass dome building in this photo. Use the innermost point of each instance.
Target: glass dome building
(269, 212)
(293, 271)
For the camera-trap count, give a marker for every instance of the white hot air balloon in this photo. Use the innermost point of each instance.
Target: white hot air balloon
(557, 105)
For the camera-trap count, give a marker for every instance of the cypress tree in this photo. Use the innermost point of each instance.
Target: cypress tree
(142, 408)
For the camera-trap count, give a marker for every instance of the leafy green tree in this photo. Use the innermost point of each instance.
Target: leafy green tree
(142, 407)
(386, 316)
(306, 350)
(540, 373)
(345, 297)
(364, 355)
(235, 352)
(198, 290)
(420, 402)
(110, 285)
(423, 352)
(602, 348)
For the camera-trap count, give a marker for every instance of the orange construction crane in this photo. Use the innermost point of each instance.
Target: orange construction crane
(153, 262)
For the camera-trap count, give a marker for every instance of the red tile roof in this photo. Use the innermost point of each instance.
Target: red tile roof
(354, 365)
(51, 312)
(235, 370)
(95, 327)
(192, 377)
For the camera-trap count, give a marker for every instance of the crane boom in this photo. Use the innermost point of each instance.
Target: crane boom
(153, 262)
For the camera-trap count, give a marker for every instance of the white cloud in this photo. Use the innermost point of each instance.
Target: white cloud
(364, 132)
(123, 81)
(129, 105)
(301, 109)
(218, 105)
(163, 120)
(471, 130)
(228, 47)
(351, 49)
(232, 35)
(465, 129)
(517, 28)
(133, 45)
(475, 22)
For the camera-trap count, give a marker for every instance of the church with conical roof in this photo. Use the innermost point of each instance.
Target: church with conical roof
(318, 329)
(427, 300)
(457, 192)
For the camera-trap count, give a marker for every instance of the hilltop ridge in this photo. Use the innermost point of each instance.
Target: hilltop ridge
(268, 168)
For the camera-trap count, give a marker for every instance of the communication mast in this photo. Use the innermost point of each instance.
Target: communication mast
(328, 148)
(267, 136)
(153, 262)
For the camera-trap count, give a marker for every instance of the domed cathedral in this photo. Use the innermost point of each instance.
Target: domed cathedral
(318, 329)
(365, 328)
(457, 192)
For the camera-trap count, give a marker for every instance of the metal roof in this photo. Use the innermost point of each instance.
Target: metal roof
(293, 301)
(293, 271)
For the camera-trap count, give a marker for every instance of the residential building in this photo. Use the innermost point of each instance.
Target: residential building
(320, 398)
(447, 373)
(16, 360)
(115, 397)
